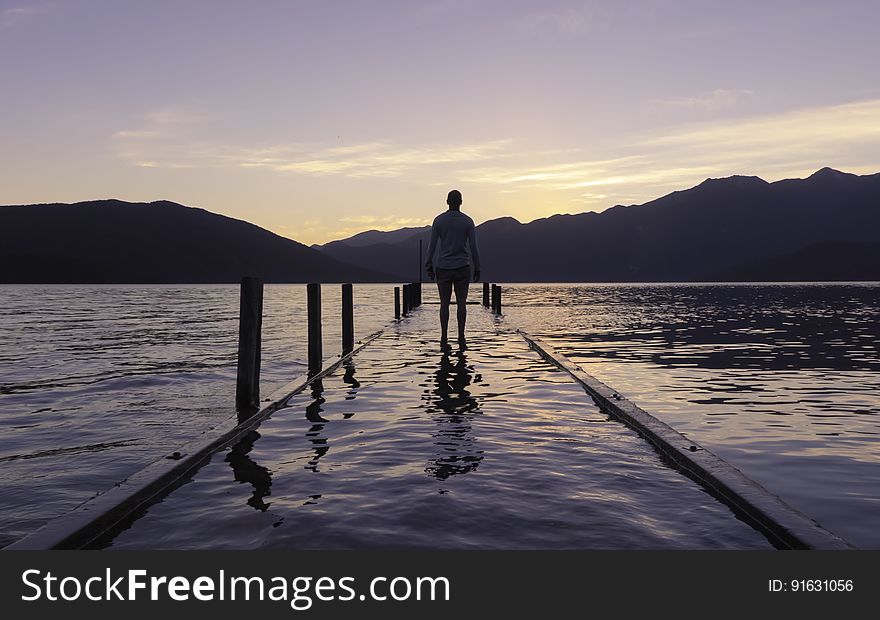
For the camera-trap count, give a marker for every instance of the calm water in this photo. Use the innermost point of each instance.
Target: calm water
(783, 381)
(780, 380)
(95, 381)
(411, 447)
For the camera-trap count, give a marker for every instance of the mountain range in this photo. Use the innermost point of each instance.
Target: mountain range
(824, 227)
(111, 241)
(739, 228)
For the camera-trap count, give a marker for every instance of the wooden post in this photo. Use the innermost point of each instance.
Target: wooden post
(486, 294)
(250, 323)
(494, 299)
(316, 355)
(405, 299)
(347, 319)
(498, 303)
(397, 303)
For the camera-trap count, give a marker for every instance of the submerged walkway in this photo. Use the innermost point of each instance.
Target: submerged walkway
(406, 446)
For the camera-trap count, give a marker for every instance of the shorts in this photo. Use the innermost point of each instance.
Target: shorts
(458, 274)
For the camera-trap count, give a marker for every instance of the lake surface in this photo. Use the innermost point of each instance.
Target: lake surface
(409, 446)
(780, 380)
(95, 381)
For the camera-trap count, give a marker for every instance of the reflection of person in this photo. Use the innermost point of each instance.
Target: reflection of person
(455, 233)
(458, 452)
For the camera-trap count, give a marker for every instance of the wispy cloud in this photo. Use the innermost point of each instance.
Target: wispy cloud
(581, 17)
(136, 134)
(715, 100)
(165, 142)
(565, 175)
(817, 128)
(378, 159)
(780, 145)
(570, 20)
(639, 171)
(633, 167)
(16, 15)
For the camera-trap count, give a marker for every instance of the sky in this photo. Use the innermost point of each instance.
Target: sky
(319, 119)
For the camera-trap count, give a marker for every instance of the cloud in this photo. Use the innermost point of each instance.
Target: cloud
(582, 17)
(165, 141)
(379, 159)
(127, 134)
(13, 16)
(634, 167)
(782, 145)
(168, 122)
(565, 175)
(814, 128)
(716, 100)
(569, 20)
(576, 18)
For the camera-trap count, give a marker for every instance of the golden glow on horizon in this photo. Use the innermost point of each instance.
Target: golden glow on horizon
(384, 185)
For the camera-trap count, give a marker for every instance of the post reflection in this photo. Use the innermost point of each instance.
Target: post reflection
(453, 407)
(315, 433)
(246, 470)
(349, 379)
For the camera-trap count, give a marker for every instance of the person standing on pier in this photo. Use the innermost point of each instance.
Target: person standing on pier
(455, 234)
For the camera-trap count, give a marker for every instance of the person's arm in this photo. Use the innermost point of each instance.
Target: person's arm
(429, 263)
(475, 253)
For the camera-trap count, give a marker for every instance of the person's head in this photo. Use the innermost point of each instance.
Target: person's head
(453, 199)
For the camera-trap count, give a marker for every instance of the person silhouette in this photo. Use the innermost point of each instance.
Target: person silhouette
(455, 233)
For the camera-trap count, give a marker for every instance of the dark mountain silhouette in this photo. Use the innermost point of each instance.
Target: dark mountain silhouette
(397, 249)
(739, 227)
(824, 227)
(111, 241)
(372, 237)
(822, 262)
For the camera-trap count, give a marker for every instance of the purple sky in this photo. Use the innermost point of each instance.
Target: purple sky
(320, 119)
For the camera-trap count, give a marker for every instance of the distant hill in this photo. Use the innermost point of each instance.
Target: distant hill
(822, 262)
(111, 241)
(394, 252)
(741, 227)
(372, 237)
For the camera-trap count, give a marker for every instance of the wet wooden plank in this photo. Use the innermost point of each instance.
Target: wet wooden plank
(93, 518)
(785, 526)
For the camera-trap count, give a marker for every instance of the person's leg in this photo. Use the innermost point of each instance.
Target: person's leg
(444, 287)
(461, 293)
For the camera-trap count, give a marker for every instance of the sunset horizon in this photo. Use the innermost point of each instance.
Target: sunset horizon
(380, 226)
(319, 121)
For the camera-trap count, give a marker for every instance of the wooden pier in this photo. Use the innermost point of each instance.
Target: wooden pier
(97, 521)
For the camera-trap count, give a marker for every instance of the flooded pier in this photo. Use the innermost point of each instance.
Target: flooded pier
(403, 444)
